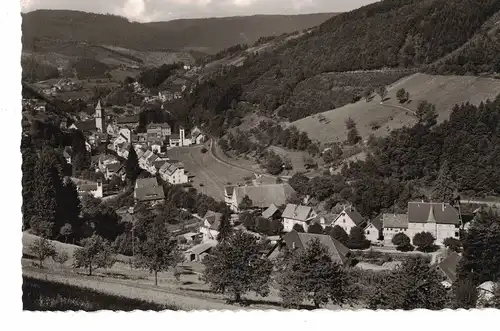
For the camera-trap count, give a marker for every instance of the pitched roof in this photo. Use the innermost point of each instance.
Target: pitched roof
(114, 167)
(263, 196)
(338, 252)
(159, 163)
(158, 125)
(213, 218)
(377, 222)
(146, 182)
(127, 119)
(270, 211)
(398, 221)
(297, 212)
(88, 125)
(170, 167)
(449, 266)
(149, 193)
(229, 190)
(354, 216)
(425, 212)
(203, 247)
(328, 218)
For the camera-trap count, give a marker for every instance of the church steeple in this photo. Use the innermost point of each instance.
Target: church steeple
(99, 117)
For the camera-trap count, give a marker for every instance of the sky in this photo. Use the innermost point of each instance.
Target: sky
(164, 10)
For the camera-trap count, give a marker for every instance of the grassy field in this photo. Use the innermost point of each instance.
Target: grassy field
(208, 171)
(44, 295)
(443, 91)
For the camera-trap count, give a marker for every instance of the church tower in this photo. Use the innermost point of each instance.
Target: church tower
(99, 117)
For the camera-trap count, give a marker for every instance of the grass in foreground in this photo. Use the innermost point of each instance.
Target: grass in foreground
(43, 295)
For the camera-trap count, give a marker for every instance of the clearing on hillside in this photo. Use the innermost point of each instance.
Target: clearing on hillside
(443, 91)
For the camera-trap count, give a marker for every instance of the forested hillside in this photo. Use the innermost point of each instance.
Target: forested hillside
(47, 30)
(403, 34)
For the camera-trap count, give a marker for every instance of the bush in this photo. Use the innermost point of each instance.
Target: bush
(424, 241)
(204, 150)
(453, 244)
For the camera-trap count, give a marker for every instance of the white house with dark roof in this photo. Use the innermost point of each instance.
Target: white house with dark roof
(440, 219)
(262, 196)
(348, 219)
(209, 228)
(374, 230)
(297, 214)
(160, 130)
(173, 172)
(393, 224)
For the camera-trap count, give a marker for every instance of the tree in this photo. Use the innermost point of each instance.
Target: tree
(45, 197)
(299, 228)
(246, 203)
(299, 182)
(338, 233)
(350, 123)
(157, 250)
(424, 241)
(262, 225)
(357, 239)
(382, 92)
(40, 227)
(61, 257)
(453, 244)
(273, 163)
(445, 189)
(132, 168)
(414, 285)
(310, 274)
(367, 93)
(30, 160)
(353, 136)
(225, 229)
(426, 113)
(481, 248)
(402, 95)
(66, 230)
(275, 227)
(42, 249)
(465, 293)
(236, 266)
(315, 228)
(94, 253)
(402, 242)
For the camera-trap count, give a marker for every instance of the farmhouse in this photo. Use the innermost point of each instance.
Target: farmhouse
(85, 187)
(440, 219)
(297, 214)
(295, 240)
(348, 219)
(393, 224)
(198, 252)
(262, 196)
(148, 190)
(210, 226)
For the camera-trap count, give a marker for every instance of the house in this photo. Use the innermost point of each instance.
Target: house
(112, 170)
(198, 139)
(295, 240)
(126, 132)
(105, 160)
(325, 219)
(393, 224)
(173, 173)
(85, 187)
(297, 214)
(120, 140)
(448, 267)
(179, 140)
(198, 252)
(272, 212)
(128, 121)
(210, 226)
(160, 130)
(348, 219)
(191, 236)
(262, 196)
(148, 190)
(373, 230)
(67, 154)
(440, 219)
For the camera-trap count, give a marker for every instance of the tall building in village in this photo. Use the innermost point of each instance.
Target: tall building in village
(99, 117)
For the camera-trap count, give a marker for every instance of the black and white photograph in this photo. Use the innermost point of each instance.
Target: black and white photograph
(258, 155)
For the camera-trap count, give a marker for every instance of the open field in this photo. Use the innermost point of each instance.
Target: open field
(443, 91)
(207, 170)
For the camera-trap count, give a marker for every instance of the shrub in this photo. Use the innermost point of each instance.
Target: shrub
(424, 242)
(204, 150)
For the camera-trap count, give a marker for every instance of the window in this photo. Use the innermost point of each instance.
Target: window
(367, 231)
(456, 234)
(343, 221)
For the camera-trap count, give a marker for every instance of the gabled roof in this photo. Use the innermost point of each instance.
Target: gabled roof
(328, 218)
(297, 212)
(213, 219)
(377, 222)
(86, 126)
(158, 125)
(159, 163)
(270, 211)
(149, 193)
(146, 182)
(338, 252)
(398, 221)
(113, 167)
(203, 247)
(263, 196)
(354, 216)
(449, 266)
(440, 213)
(127, 119)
